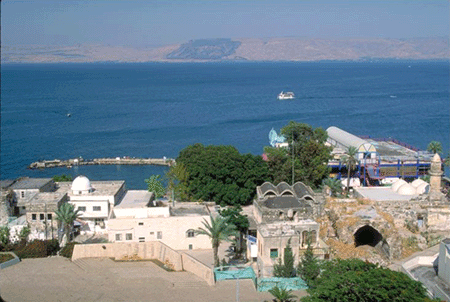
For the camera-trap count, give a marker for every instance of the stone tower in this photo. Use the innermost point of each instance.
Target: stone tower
(435, 174)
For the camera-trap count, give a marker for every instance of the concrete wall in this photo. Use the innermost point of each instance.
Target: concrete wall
(444, 262)
(194, 266)
(144, 250)
(173, 231)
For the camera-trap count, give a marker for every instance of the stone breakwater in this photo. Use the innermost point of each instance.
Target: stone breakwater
(101, 161)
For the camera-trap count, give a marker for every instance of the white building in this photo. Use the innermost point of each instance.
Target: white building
(94, 200)
(138, 219)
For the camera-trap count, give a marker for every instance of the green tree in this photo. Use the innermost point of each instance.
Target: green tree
(62, 178)
(221, 174)
(66, 215)
(309, 268)
(234, 216)
(24, 232)
(435, 147)
(4, 235)
(305, 160)
(218, 230)
(282, 295)
(334, 185)
(355, 280)
(155, 185)
(350, 161)
(285, 269)
(177, 181)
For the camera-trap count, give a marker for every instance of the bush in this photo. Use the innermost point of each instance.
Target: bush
(35, 249)
(52, 247)
(67, 251)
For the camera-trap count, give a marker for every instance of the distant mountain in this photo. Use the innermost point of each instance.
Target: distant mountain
(274, 49)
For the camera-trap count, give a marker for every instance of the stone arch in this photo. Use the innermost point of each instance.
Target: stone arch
(367, 235)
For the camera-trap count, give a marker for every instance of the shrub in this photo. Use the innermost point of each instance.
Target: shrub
(52, 247)
(35, 249)
(67, 250)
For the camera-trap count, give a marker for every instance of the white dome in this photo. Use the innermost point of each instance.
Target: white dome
(423, 188)
(416, 183)
(397, 184)
(406, 189)
(81, 185)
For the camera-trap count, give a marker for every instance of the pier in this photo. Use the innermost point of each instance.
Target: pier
(101, 161)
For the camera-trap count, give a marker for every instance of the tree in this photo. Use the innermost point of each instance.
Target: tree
(219, 230)
(350, 161)
(355, 280)
(234, 216)
(66, 215)
(434, 147)
(285, 269)
(155, 185)
(334, 185)
(24, 232)
(282, 295)
(177, 181)
(62, 178)
(4, 235)
(221, 174)
(309, 267)
(305, 160)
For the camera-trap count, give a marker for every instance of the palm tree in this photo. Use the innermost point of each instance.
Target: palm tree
(282, 295)
(219, 230)
(350, 161)
(66, 214)
(334, 184)
(434, 147)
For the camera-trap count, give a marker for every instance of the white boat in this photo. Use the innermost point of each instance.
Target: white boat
(286, 95)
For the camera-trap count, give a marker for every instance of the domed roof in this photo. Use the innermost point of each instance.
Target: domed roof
(416, 183)
(81, 184)
(423, 188)
(406, 189)
(397, 184)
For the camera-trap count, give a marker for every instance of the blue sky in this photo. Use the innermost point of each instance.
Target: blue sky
(156, 23)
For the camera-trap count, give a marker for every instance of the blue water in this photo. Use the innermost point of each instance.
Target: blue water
(157, 109)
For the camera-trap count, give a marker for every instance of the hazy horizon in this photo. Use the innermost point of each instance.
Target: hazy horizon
(159, 23)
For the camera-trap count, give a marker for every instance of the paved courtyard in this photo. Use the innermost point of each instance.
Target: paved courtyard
(59, 279)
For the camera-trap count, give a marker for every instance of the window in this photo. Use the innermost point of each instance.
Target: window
(159, 235)
(82, 209)
(22, 194)
(141, 239)
(33, 216)
(41, 216)
(190, 233)
(129, 236)
(140, 223)
(152, 233)
(49, 216)
(96, 208)
(273, 253)
(118, 237)
(190, 246)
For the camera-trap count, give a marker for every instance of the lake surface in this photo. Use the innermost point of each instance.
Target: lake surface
(157, 109)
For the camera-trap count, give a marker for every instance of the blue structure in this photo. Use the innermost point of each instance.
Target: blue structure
(274, 138)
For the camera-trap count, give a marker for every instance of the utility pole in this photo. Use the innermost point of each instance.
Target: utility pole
(292, 161)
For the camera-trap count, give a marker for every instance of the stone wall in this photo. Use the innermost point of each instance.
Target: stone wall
(143, 250)
(194, 266)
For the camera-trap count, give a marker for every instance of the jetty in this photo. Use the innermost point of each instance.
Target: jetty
(101, 161)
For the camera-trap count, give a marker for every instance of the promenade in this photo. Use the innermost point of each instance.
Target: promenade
(101, 279)
(101, 161)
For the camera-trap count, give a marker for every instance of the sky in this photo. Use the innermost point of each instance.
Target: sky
(140, 23)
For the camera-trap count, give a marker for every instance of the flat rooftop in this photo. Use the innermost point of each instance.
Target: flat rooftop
(391, 151)
(101, 188)
(30, 183)
(136, 199)
(382, 194)
(188, 210)
(46, 197)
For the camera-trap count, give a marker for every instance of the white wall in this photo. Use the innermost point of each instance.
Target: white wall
(90, 213)
(173, 230)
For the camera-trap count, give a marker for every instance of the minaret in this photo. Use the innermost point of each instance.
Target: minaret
(435, 175)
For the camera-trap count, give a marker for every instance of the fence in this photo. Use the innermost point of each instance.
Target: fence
(266, 284)
(234, 272)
